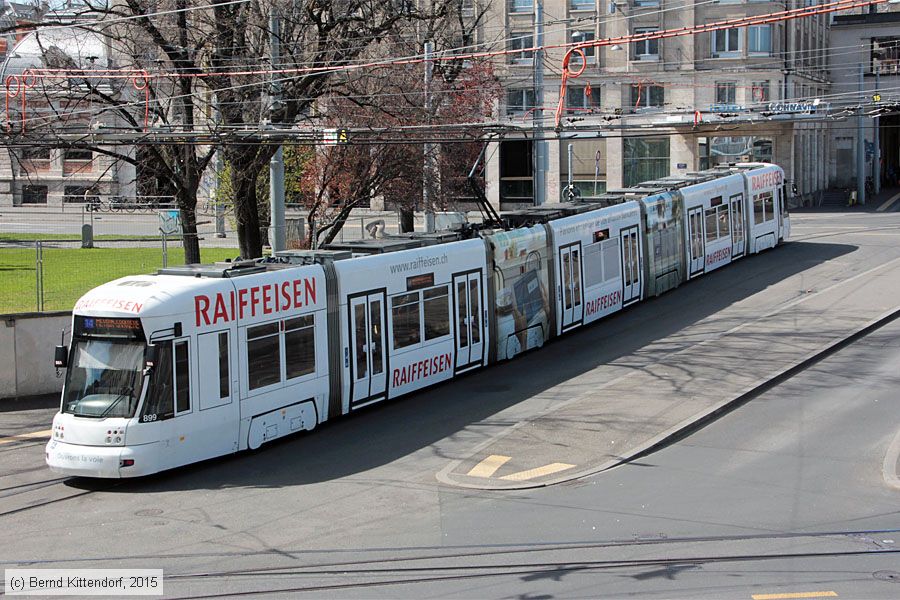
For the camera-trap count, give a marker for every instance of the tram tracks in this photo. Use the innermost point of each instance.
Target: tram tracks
(387, 574)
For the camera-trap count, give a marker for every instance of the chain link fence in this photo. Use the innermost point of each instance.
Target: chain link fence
(43, 275)
(50, 257)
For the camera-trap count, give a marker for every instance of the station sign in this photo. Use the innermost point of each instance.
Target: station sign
(803, 107)
(170, 222)
(727, 108)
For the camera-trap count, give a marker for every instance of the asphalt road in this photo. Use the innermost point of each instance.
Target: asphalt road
(785, 494)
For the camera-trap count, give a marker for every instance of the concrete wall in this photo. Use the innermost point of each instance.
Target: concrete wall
(26, 353)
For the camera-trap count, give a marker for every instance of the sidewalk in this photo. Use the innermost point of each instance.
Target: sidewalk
(617, 411)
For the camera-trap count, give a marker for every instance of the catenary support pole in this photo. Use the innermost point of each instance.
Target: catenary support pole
(539, 146)
(876, 166)
(276, 163)
(860, 145)
(429, 173)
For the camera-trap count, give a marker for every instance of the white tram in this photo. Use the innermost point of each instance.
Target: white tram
(200, 361)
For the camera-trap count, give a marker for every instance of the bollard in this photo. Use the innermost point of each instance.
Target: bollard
(87, 236)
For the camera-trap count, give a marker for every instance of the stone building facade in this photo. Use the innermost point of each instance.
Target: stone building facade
(659, 107)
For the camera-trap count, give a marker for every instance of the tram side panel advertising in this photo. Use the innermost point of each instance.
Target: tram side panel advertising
(522, 283)
(399, 318)
(713, 224)
(597, 234)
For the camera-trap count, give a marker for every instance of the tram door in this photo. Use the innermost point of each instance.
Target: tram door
(695, 234)
(784, 225)
(219, 415)
(469, 334)
(631, 265)
(737, 226)
(367, 340)
(570, 275)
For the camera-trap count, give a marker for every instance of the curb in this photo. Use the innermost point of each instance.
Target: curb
(701, 419)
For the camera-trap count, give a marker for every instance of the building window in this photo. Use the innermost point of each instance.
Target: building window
(647, 96)
(583, 37)
(719, 150)
(36, 153)
(726, 92)
(582, 4)
(646, 49)
(77, 154)
(520, 46)
(34, 194)
(645, 3)
(760, 91)
(519, 101)
(886, 55)
(580, 99)
(516, 171)
(521, 6)
(759, 39)
(726, 43)
(645, 159)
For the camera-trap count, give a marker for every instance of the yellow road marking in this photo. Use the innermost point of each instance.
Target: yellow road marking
(488, 466)
(888, 203)
(794, 595)
(25, 436)
(539, 472)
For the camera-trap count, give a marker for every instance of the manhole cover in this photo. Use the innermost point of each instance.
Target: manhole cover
(149, 512)
(887, 576)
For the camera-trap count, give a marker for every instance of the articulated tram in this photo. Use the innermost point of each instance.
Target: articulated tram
(204, 360)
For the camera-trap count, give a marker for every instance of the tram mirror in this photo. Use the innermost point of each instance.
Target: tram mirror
(151, 355)
(61, 357)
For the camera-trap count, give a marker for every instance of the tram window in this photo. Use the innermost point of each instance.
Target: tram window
(437, 312)
(263, 355)
(405, 317)
(160, 402)
(769, 200)
(223, 365)
(758, 209)
(299, 346)
(182, 378)
(712, 220)
(475, 310)
(724, 227)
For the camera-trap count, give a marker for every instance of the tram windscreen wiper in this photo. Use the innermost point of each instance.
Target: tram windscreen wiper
(126, 394)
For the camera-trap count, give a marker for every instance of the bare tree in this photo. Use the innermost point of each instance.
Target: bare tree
(209, 81)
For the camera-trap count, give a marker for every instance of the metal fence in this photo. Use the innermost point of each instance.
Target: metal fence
(46, 275)
(49, 258)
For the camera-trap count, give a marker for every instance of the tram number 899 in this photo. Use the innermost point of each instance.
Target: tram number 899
(148, 418)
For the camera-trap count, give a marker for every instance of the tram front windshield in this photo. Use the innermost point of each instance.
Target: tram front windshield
(103, 379)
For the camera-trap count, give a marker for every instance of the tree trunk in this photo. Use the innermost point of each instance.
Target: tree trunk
(190, 241)
(187, 203)
(407, 220)
(245, 209)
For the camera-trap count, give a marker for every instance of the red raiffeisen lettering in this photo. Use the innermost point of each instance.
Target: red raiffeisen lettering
(718, 255)
(602, 303)
(109, 303)
(252, 301)
(768, 179)
(421, 369)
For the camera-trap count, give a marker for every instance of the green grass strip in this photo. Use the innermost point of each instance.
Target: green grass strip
(70, 272)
